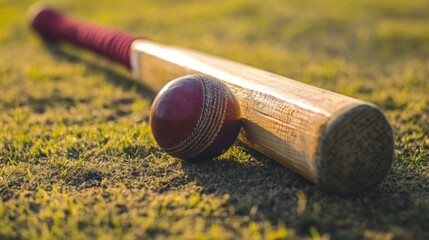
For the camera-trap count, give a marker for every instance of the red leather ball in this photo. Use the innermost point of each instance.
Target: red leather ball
(195, 117)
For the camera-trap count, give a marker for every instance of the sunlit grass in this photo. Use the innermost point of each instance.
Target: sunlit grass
(77, 158)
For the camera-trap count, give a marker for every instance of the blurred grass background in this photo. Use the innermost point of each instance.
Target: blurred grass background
(77, 159)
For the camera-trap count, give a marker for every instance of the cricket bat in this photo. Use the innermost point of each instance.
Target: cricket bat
(340, 143)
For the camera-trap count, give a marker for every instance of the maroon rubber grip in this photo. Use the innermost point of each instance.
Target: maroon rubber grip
(111, 43)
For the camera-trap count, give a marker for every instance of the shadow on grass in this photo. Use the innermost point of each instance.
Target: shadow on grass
(258, 182)
(264, 189)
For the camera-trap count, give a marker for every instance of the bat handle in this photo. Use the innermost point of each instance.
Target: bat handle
(55, 26)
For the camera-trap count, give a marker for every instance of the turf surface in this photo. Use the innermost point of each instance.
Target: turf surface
(78, 161)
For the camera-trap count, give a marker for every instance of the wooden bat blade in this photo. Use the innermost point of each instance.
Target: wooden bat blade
(341, 143)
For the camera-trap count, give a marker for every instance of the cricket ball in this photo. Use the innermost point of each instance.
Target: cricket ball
(195, 117)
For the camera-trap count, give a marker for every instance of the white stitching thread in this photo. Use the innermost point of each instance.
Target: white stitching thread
(215, 100)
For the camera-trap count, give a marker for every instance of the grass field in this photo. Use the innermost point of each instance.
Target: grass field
(78, 161)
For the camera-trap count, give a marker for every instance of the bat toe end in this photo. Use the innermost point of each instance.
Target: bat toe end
(356, 150)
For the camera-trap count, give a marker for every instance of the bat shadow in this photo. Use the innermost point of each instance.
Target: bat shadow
(261, 188)
(250, 180)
